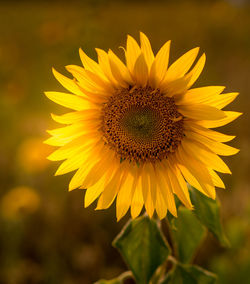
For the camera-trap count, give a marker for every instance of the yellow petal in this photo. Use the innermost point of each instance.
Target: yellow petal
(201, 112)
(216, 179)
(64, 135)
(159, 67)
(196, 168)
(165, 187)
(74, 162)
(203, 95)
(66, 130)
(90, 64)
(230, 116)
(179, 185)
(194, 182)
(190, 178)
(140, 71)
(68, 100)
(224, 100)
(107, 161)
(103, 60)
(152, 182)
(81, 173)
(181, 66)
(94, 191)
(110, 191)
(85, 167)
(95, 98)
(103, 83)
(119, 70)
(216, 100)
(137, 200)
(61, 141)
(132, 53)
(207, 157)
(146, 191)
(175, 87)
(196, 71)
(67, 83)
(55, 141)
(80, 75)
(76, 116)
(161, 207)
(144, 184)
(211, 189)
(69, 149)
(97, 188)
(214, 135)
(216, 147)
(59, 155)
(124, 197)
(89, 81)
(146, 50)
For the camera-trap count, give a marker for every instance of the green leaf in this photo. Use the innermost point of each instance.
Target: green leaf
(189, 274)
(188, 233)
(208, 212)
(143, 247)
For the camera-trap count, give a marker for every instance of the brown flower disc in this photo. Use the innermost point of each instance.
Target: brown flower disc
(141, 124)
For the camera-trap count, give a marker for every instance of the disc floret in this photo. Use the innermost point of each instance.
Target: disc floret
(141, 124)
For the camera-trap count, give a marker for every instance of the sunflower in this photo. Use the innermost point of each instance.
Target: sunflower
(138, 132)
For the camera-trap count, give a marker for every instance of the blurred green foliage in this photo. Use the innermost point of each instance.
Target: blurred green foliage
(59, 241)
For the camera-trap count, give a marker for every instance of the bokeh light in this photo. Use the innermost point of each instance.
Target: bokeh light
(18, 202)
(32, 155)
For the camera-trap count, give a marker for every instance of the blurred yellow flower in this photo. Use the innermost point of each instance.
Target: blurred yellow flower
(18, 202)
(32, 155)
(138, 132)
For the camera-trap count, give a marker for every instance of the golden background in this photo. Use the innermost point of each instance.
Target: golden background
(46, 236)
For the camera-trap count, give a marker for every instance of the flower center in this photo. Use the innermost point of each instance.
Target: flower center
(141, 124)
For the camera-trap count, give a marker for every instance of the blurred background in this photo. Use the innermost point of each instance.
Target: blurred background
(46, 236)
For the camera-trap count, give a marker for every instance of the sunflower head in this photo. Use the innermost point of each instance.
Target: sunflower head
(138, 132)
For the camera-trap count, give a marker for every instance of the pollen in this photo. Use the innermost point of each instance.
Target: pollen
(141, 124)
